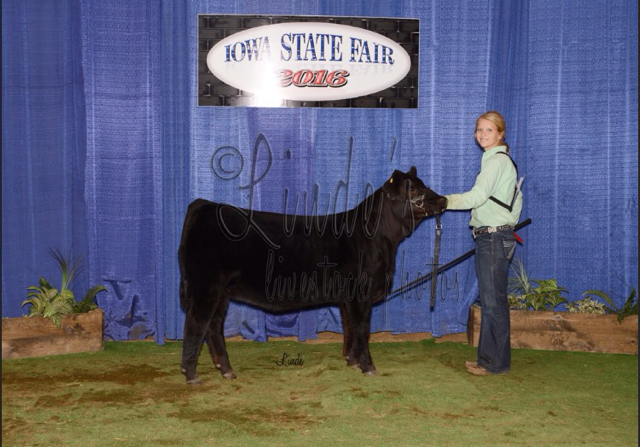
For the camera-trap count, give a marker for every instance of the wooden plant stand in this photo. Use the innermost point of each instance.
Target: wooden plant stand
(565, 331)
(38, 336)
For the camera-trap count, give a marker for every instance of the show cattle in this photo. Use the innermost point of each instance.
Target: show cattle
(282, 262)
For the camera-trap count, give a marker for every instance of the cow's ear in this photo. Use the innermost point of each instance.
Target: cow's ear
(393, 180)
(413, 171)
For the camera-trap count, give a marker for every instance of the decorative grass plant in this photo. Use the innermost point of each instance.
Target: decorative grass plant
(54, 304)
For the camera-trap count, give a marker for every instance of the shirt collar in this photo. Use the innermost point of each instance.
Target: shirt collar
(493, 151)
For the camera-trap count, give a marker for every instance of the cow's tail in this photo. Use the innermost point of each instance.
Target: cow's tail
(184, 284)
(184, 300)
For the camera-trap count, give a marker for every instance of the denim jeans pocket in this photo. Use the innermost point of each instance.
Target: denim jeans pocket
(509, 247)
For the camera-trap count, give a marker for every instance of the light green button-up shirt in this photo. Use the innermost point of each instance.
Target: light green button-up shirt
(497, 178)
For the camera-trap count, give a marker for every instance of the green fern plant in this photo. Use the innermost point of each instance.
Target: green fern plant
(54, 304)
(88, 302)
(630, 307)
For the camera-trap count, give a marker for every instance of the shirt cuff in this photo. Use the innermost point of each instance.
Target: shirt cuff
(451, 201)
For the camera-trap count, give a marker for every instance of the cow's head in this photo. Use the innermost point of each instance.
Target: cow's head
(408, 188)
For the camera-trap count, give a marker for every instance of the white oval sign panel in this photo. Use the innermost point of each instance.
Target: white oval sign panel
(308, 61)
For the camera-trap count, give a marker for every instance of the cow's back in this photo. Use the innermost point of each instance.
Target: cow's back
(274, 261)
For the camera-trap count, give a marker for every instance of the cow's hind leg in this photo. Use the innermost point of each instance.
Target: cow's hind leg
(361, 321)
(199, 315)
(215, 339)
(347, 330)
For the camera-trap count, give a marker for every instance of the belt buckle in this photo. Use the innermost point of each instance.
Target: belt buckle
(491, 229)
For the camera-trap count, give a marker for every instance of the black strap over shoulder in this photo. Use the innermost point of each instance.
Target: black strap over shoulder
(514, 163)
(515, 189)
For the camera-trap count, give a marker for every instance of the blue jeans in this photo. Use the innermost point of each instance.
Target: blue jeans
(494, 252)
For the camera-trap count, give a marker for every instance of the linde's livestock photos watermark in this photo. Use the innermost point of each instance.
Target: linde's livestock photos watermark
(347, 258)
(307, 61)
(307, 207)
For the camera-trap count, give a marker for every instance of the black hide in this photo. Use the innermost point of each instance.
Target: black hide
(280, 262)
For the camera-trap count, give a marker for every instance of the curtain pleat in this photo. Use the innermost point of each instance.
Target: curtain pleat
(121, 58)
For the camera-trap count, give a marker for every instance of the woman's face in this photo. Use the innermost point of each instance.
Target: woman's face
(487, 135)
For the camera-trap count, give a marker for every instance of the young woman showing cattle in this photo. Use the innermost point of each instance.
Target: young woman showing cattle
(495, 202)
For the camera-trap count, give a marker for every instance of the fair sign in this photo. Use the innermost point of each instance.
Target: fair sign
(308, 61)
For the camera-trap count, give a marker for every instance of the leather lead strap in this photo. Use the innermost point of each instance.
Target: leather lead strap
(436, 256)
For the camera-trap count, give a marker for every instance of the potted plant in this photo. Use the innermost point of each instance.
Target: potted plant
(587, 325)
(57, 323)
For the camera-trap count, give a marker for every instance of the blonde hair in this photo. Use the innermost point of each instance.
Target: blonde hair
(497, 119)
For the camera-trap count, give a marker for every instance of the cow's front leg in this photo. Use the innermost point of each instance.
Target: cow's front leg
(195, 326)
(216, 342)
(347, 344)
(361, 321)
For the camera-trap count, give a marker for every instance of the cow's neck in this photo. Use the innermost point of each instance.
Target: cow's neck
(383, 218)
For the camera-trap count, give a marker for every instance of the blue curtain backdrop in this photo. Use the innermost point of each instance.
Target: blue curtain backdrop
(44, 145)
(104, 147)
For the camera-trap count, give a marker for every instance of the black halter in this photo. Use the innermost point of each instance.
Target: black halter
(417, 201)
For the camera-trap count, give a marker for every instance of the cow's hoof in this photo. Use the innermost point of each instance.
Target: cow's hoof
(230, 375)
(194, 381)
(372, 372)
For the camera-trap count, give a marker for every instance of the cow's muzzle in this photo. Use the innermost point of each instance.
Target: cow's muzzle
(432, 208)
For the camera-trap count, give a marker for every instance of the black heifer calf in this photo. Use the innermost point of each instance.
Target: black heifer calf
(280, 263)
